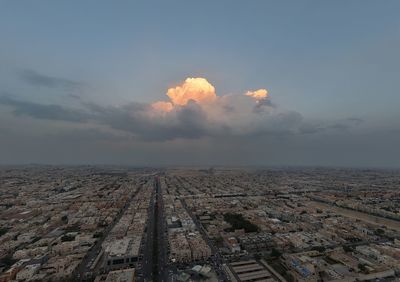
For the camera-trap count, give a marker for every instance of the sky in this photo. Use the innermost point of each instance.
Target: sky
(200, 83)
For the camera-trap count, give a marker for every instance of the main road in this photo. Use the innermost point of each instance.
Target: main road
(147, 263)
(161, 246)
(155, 250)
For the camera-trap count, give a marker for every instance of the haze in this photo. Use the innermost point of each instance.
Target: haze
(200, 83)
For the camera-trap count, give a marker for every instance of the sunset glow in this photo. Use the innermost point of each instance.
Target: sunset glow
(197, 89)
(162, 106)
(259, 94)
(200, 91)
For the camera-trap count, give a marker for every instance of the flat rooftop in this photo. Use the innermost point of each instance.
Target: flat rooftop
(251, 270)
(118, 247)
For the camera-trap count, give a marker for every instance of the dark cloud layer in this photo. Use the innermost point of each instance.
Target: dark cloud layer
(187, 122)
(40, 111)
(235, 118)
(194, 111)
(192, 121)
(36, 79)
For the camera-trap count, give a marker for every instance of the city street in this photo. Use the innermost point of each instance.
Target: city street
(162, 259)
(146, 270)
(154, 251)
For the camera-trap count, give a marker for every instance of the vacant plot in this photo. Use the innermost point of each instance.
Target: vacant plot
(372, 219)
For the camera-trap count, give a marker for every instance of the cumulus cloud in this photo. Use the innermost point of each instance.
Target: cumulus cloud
(162, 106)
(197, 89)
(193, 111)
(242, 114)
(259, 94)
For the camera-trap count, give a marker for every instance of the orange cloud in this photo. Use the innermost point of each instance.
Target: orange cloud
(197, 89)
(203, 93)
(162, 106)
(259, 94)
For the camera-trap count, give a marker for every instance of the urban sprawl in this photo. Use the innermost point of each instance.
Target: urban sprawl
(106, 223)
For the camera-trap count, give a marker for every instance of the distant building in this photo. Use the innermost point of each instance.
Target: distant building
(232, 244)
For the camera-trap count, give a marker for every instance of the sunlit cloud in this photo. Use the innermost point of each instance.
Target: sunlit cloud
(162, 106)
(202, 92)
(193, 111)
(259, 94)
(196, 89)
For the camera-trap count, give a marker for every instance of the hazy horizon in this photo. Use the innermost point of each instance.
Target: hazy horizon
(257, 84)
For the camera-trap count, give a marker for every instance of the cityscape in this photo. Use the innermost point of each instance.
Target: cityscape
(200, 141)
(106, 223)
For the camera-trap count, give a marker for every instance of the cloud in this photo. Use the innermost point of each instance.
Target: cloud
(145, 123)
(40, 111)
(355, 120)
(260, 94)
(36, 79)
(162, 106)
(197, 89)
(194, 111)
(344, 124)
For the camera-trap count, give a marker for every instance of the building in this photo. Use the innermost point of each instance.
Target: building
(250, 270)
(122, 253)
(124, 275)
